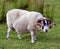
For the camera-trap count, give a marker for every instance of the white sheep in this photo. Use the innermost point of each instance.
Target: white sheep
(23, 21)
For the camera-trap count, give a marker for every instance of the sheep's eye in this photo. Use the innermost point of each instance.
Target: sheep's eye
(49, 21)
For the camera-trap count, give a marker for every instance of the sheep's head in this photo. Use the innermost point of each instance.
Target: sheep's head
(44, 24)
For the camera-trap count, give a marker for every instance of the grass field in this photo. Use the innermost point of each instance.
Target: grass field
(51, 40)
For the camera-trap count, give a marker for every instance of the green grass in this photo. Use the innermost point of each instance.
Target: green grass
(51, 40)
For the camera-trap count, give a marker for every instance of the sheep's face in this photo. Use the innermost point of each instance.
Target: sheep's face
(44, 24)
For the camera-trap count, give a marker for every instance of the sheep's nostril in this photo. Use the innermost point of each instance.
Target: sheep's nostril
(46, 30)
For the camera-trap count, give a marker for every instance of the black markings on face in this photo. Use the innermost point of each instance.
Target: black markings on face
(46, 22)
(42, 27)
(49, 22)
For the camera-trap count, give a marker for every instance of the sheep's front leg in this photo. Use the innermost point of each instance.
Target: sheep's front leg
(33, 37)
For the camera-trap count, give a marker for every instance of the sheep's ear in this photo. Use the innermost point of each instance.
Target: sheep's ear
(38, 26)
(52, 24)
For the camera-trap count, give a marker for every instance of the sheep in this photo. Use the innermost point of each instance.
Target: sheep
(24, 21)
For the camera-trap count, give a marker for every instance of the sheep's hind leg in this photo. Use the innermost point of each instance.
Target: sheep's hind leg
(19, 35)
(8, 33)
